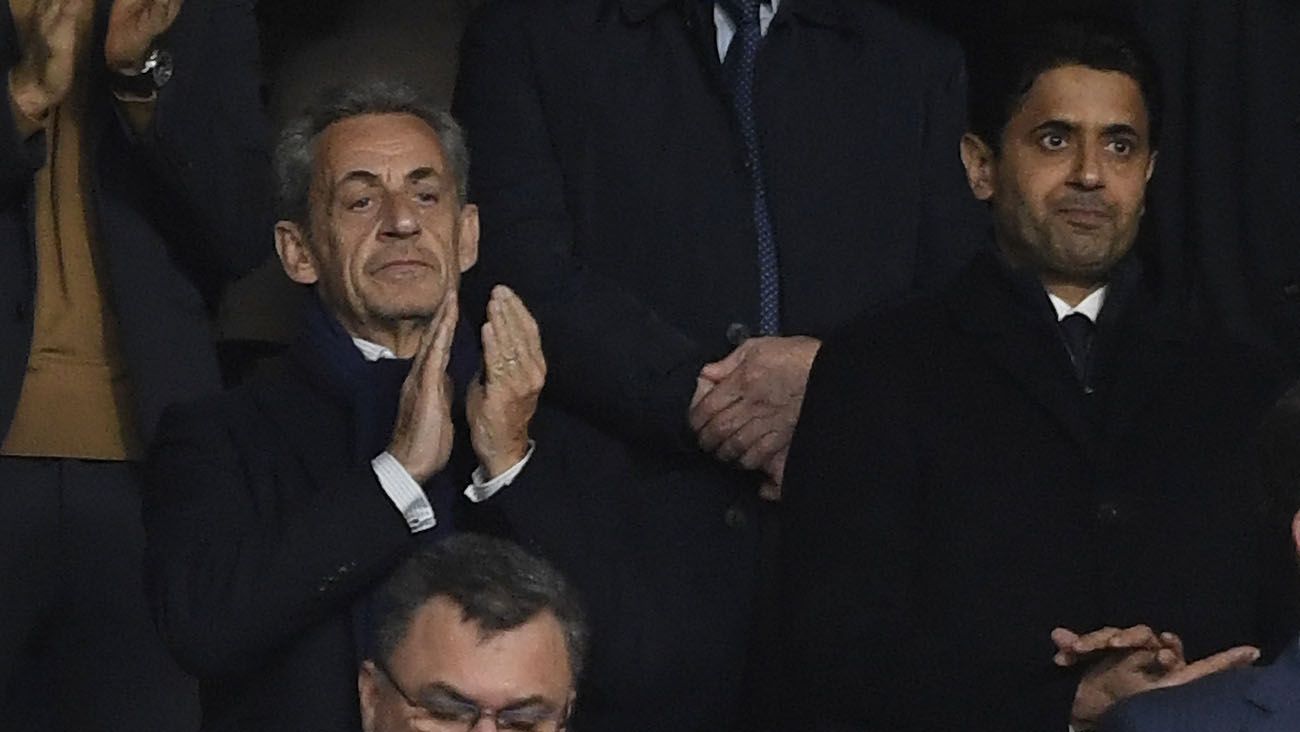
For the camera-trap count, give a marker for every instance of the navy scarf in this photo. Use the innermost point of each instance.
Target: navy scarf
(371, 391)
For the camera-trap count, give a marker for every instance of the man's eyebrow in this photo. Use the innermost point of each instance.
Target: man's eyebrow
(1120, 128)
(1055, 125)
(363, 176)
(439, 689)
(419, 175)
(422, 174)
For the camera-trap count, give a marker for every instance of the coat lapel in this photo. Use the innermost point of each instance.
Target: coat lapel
(1012, 322)
(1137, 348)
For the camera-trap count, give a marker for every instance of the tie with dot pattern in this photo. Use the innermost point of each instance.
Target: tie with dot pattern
(739, 68)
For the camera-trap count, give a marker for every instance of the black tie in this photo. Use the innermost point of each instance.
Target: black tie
(739, 68)
(1077, 329)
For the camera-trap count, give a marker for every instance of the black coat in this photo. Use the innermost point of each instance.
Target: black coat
(266, 526)
(954, 493)
(609, 174)
(178, 210)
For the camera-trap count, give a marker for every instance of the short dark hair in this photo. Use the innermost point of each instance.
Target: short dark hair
(295, 153)
(1003, 73)
(496, 584)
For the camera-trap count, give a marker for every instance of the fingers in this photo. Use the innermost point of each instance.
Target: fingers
(743, 438)
(723, 425)
(512, 345)
(1222, 661)
(755, 444)
(702, 387)
(1138, 636)
(1071, 647)
(720, 397)
(435, 345)
(1172, 643)
(1064, 639)
(719, 370)
(775, 467)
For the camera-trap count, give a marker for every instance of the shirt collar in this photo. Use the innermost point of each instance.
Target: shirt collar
(825, 12)
(372, 351)
(1089, 307)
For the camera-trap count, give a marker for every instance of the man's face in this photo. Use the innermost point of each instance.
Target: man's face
(1067, 189)
(521, 676)
(387, 237)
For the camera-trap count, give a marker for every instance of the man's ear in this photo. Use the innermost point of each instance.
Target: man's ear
(1151, 164)
(467, 236)
(295, 256)
(980, 163)
(1295, 533)
(368, 691)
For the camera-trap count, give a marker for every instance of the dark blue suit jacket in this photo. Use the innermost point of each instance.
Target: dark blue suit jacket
(1256, 699)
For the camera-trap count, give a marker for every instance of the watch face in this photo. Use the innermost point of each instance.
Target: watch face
(161, 67)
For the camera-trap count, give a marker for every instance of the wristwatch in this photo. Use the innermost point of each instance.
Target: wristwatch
(144, 81)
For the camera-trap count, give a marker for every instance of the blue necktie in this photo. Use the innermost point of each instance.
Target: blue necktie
(739, 68)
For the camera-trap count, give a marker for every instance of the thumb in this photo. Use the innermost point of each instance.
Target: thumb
(719, 370)
(1222, 661)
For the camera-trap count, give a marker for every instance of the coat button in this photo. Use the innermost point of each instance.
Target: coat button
(1109, 513)
(20, 311)
(737, 333)
(734, 517)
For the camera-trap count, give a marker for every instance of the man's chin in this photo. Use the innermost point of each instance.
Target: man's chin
(408, 306)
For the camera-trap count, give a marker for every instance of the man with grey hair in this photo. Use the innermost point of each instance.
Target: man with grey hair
(277, 507)
(473, 627)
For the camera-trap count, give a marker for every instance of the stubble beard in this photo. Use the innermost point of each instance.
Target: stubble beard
(1056, 251)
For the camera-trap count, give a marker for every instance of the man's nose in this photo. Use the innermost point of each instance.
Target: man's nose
(1087, 172)
(398, 218)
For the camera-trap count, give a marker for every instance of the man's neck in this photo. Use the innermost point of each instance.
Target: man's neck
(401, 337)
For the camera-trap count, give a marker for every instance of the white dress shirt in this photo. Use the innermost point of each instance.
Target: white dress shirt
(727, 27)
(1089, 307)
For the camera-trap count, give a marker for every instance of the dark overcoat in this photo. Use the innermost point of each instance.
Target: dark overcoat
(614, 196)
(955, 492)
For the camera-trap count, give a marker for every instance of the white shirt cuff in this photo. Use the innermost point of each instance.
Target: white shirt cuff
(481, 489)
(404, 492)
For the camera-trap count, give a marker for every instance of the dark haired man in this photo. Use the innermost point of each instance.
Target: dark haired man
(472, 628)
(277, 507)
(1018, 501)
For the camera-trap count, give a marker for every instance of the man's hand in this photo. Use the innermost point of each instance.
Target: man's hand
(133, 25)
(1072, 647)
(44, 73)
(502, 401)
(748, 414)
(423, 433)
(1130, 661)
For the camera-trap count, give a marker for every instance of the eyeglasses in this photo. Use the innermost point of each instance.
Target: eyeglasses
(445, 711)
